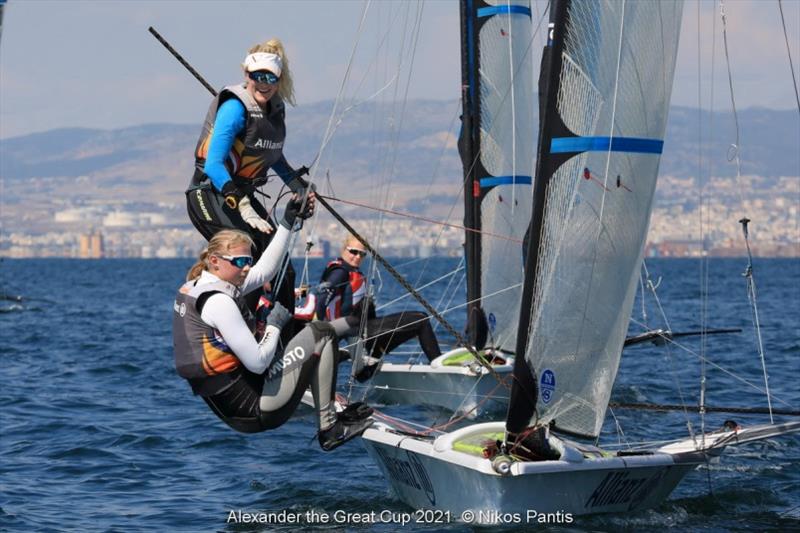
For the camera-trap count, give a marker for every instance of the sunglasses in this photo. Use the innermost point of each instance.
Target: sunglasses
(240, 261)
(263, 76)
(356, 251)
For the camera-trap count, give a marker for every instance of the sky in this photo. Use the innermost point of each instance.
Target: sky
(93, 63)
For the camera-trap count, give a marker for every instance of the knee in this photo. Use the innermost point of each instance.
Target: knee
(322, 330)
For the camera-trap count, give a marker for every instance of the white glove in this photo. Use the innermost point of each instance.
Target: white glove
(251, 217)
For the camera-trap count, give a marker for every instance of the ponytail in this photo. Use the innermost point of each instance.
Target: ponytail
(199, 266)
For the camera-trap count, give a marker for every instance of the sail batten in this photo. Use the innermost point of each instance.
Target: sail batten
(600, 148)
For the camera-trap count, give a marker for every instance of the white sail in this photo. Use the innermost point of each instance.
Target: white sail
(615, 83)
(506, 152)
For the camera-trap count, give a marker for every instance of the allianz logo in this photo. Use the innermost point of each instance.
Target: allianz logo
(269, 145)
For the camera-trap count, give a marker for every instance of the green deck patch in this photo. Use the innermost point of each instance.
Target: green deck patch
(475, 444)
(460, 359)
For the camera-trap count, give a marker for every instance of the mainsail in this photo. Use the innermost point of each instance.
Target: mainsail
(496, 147)
(606, 78)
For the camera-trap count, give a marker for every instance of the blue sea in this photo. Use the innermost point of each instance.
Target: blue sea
(98, 433)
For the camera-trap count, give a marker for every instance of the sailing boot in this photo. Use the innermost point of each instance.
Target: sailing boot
(348, 426)
(355, 412)
(370, 365)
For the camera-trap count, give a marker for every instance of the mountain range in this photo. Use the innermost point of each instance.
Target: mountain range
(152, 163)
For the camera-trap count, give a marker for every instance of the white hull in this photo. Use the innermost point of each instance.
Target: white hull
(430, 474)
(468, 389)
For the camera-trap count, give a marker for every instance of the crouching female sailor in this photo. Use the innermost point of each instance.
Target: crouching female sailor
(251, 384)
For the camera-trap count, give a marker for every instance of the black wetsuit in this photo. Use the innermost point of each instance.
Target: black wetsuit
(385, 333)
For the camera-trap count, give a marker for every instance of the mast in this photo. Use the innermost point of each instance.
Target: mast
(469, 150)
(524, 391)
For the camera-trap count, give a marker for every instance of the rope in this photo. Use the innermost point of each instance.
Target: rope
(420, 218)
(407, 286)
(733, 154)
(698, 408)
(403, 297)
(719, 367)
(789, 54)
(751, 295)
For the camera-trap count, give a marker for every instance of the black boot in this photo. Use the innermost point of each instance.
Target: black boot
(345, 429)
(370, 365)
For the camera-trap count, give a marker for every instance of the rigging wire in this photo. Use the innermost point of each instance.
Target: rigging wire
(704, 259)
(748, 273)
(670, 355)
(720, 368)
(789, 54)
(389, 169)
(419, 288)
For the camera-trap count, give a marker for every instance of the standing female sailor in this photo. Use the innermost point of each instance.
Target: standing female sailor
(251, 384)
(242, 138)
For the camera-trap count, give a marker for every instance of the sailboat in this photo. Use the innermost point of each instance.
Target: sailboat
(605, 87)
(496, 146)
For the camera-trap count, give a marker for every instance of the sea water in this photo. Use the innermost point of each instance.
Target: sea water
(98, 433)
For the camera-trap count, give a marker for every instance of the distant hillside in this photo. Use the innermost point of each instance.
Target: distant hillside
(157, 158)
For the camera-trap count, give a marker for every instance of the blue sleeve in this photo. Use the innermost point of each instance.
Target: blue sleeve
(228, 124)
(347, 299)
(283, 169)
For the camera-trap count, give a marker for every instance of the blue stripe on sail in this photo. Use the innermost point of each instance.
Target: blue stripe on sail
(603, 144)
(503, 10)
(505, 180)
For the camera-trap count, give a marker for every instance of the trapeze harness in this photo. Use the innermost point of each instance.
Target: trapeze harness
(201, 355)
(245, 401)
(255, 149)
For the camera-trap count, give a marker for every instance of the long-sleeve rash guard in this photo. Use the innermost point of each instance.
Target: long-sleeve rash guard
(221, 313)
(229, 123)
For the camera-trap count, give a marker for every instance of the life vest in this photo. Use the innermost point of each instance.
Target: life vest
(305, 311)
(358, 286)
(256, 148)
(263, 309)
(201, 355)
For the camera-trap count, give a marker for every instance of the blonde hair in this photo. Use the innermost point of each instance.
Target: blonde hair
(285, 85)
(219, 244)
(350, 239)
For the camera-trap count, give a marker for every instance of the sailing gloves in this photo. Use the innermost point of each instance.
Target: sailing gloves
(236, 199)
(278, 316)
(298, 207)
(250, 216)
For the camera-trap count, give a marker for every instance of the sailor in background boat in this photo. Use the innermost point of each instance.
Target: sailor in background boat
(242, 138)
(341, 299)
(250, 383)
